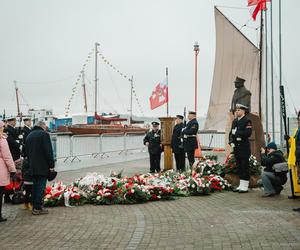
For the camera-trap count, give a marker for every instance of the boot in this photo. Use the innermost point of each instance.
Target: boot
(237, 188)
(244, 186)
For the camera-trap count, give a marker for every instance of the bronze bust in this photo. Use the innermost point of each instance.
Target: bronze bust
(241, 95)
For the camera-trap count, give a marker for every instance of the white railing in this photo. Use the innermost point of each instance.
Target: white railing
(212, 139)
(72, 147)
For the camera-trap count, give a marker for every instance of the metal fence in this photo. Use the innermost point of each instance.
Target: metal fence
(71, 147)
(211, 139)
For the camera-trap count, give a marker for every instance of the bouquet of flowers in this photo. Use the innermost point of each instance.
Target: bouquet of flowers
(54, 195)
(230, 166)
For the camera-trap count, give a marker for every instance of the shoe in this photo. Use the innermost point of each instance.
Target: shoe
(2, 219)
(278, 191)
(35, 211)
(29, 207)
(44, 211)
(235, 190)
(243, 191)
(26, 206)
(267, 195)
(243, 186)
(296, 209)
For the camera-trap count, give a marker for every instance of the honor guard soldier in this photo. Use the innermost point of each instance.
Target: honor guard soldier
(13, 138)
(239, 141)
(153, 142)
(189, 134)
(25, 132)
(177, 143)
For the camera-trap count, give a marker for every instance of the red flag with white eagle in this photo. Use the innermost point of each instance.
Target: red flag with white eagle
(159, 95)
(258, 5)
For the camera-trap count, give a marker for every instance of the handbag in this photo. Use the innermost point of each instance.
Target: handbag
(51, 175)
(18, 197)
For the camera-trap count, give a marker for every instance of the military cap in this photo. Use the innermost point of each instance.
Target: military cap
(179, 116)
(26, 119)
(238, 79)
(155, 124)
(241, 106)
(192, 113)
(10, 118)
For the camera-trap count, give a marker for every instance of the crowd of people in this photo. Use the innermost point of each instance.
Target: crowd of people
(30, 150)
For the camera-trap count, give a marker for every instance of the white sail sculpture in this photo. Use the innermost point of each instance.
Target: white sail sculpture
(236, 55)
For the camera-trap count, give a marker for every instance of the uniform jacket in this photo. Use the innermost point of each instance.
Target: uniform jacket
(39, 152)
(176, 138)
(25, 132)
(189, 135)
(154, 142)
(268, 160)
(7, 164)
(13, 142)
(297, 139)
(240, 139)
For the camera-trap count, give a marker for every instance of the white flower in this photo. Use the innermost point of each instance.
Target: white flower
(207, 184)
(98, 198)
(208, 172)
(132, 190)
(193, 186)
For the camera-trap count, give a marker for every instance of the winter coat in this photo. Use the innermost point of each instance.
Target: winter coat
(153, 138)
(39, 152)
(268, 160)
(13, 142)
(7, 164)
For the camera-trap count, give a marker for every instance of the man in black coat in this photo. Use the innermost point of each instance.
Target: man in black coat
(13, 138)
(189, 134)
(153, 142)
(177, 144)
(40, 159)
(239, 140)
(25, 132)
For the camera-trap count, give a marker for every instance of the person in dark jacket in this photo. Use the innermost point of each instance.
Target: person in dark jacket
(153, 141)
(189, 134)
(272, 181)
(40, 159)
(239, 141)
(13, 138)
(177, 144)
(25, 132)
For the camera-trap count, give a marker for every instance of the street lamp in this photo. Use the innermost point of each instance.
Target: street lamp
(196, 49)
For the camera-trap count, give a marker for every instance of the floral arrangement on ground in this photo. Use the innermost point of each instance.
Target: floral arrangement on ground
(98, 189)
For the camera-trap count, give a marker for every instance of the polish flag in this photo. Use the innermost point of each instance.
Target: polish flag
(159, 95)
(258, 5)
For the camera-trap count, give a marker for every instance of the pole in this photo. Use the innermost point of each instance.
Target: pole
(84, 91)
(266, 55)
(280, 73)
(272, 74)
(196, 49)
(167, 82)
(96, 77)
(260, 61)
(17, 97)
(131, 90)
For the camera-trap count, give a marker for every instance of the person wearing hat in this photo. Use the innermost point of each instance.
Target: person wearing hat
(41, 162)
(240, 132)
(189, 134)
(271, 180)
(13, 138)
(241, 95)
(153, 141)
(177, 144)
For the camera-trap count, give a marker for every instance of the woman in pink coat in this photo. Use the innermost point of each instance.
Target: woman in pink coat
(7, 166)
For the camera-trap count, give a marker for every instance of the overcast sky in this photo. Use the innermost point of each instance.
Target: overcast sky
(44, 44)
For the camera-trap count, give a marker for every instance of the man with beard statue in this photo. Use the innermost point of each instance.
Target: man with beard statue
(239, 141)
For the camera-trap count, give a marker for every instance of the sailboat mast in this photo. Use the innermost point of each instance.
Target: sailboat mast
(131, 90)
(96, 76)
(84, 91)
(260, 61)
(266, 76)
(280, 75)
(17, 97)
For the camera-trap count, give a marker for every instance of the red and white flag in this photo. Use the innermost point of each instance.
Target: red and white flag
(258, 5)
(159, 95)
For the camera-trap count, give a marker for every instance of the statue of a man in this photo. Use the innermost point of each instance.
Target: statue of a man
(241, 95)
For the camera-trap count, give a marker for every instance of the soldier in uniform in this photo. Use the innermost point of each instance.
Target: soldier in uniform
(153, 142)
(13, 138)
(189, 134)
(239, 141)
(177, 144)
(25, 132)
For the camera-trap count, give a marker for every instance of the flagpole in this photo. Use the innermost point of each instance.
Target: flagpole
(260, 63)
(266, 65)
(272, 74)
(280, 74)
(167, 82)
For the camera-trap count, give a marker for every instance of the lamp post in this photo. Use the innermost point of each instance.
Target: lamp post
(196, 49)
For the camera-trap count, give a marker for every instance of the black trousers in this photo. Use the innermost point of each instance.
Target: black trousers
(1, 199)
(180, 161)
(191, 157)
(154, 162)
(28, 193)
(243, 167)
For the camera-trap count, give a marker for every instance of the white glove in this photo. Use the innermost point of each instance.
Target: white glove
(233, 131)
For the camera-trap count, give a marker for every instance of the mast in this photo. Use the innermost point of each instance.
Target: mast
(84, 91)
(167, 82)
(272, 76)
(196, 49)
(96, 76)
(266, 75)
(17, 96)
(131, 90)
(260, 61)
(280, 74)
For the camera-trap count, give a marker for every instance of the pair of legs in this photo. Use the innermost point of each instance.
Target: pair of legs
(180, 161)
(243, 172)
(154, 162)
(271, 183)
(191, 157)
(38, 189)
(28, 194)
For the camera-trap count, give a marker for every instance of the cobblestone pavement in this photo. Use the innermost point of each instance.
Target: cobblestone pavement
(223, 220)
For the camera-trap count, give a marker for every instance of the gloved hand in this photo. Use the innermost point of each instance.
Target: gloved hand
(12, 175)
(286, 137)
(233, 131)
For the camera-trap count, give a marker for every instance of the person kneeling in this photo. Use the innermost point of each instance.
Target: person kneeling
(274, 176)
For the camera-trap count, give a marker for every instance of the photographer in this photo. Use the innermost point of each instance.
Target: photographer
(271, 179)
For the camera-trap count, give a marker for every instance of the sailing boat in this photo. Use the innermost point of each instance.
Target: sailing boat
(105, 124)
